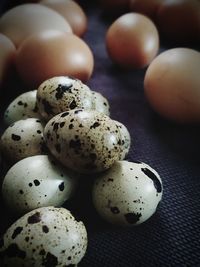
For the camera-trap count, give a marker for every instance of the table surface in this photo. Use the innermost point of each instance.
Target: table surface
(171, 237)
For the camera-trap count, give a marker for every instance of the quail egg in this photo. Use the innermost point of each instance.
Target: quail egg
(84, 140)
(125, 139)
(35, 182)
(100, 103)
(46, 236)
(128, 193)
(22, 107)
(60, 94)
(22, 139)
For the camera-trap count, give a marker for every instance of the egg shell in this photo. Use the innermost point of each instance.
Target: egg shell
(85, 141)
(125, 139)
(53, 53)
(46, 236)
(35, 182)
(60, 94)
(172, 85)
(100, 103)
(22, 139)
(21, 21)
(132, 41)
(146, 7)
(22, 107)
(128, 193)
(7, 56)
(179, 21)
(114, 6)
(72, 12)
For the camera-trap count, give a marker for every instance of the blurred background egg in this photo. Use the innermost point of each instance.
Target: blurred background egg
(71, 11)
(132, 40)
(146, 7)
(53, 53)
(179, 20)
(24, 20)
(7, 56)
(114, 6)
(172, 84)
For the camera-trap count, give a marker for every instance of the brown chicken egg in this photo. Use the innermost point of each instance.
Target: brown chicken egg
(114, 6)
(146, 7)
(24, 20)
(172, 84)
(53, 53)
(72, 12)
(7, 55)
(132, 40)
(179, 21)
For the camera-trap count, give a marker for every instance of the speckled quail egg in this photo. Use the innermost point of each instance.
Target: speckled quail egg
(100, 103)
(84, 140)
(60, 94)
(22, 139)
(45, 236)
(128, 193)
(125, 139)
(35, 182)
(22, 107)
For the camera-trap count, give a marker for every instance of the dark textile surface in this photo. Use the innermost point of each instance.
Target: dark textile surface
(172, 236)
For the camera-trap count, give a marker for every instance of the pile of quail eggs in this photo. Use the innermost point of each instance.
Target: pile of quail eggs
(55, 134)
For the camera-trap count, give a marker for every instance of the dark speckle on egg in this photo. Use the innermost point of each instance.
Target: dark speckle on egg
(50, 260)
(64, 114)
(35, 218)
(16, 137)
(154, 178)
(73, 104)
(45, 229)
(16, 232)
(62, 124)
(61, 186)
(115, 210)
(76, 144)
(61, 89)
(36, 182)
(47, 107)
(55, 127)
(132, 218)
(95, 125)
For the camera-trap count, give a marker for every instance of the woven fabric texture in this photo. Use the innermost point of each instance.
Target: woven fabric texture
(171, 237)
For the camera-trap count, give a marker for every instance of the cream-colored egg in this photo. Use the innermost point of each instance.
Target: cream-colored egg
(62, 93)
(71, 11)
(86, 141)
(22, 139)
(22, 107)
(37, 181)
(24, 20)
(46, 236)
(128, 193)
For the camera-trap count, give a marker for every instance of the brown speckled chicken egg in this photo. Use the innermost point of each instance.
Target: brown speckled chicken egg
(46, 236)
(84, 140)
(60, 94)
(35, 182)
(22, 139)
(128, 193)
(125, 139)
(22, 107)
(100, 103)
